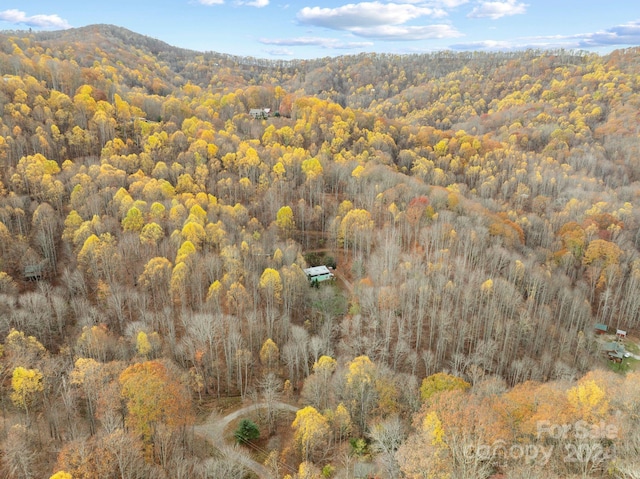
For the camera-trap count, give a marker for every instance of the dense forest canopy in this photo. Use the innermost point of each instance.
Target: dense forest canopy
(482, 209)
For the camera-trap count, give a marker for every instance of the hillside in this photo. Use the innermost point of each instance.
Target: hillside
(482, 209)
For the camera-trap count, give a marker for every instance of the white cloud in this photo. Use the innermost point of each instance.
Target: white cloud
(436, 4)
(18, 17)
(406, 33)
(330, 43)
(365, 14)
(382, 21)
(349, 45)
(280, 52)
(619, 35)
(248, 3)
(495, 10)
(485, 45)
(255, 3)
(298, 41)
(447, 3)
(625, 34)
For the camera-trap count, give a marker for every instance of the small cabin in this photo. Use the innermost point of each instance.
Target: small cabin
(615, 351)
(317, 274)
(620, 334)
(260, 113)
(600, 328)
(33, 272)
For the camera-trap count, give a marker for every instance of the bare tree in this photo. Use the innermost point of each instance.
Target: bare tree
(19, 453)
(270, 389)
(386, 437)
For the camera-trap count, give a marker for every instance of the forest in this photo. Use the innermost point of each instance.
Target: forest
(479, 210)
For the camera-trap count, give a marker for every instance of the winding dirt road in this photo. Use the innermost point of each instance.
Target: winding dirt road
(213, 430)
(214, 426)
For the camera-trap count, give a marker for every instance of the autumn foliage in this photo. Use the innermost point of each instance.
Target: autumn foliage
(481, 210)
(154, 396)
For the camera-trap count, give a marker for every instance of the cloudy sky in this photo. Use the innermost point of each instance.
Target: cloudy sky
(318, 28)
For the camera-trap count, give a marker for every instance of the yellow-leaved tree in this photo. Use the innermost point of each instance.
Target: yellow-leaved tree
(602, 259)
(178, 283)
(25, 385)
(133, 220)
(340, 423)
(151, 234)
(61, 475)
(143, 346)
(425, 453)
(440, 382)
(588, 401)
(312, 168)
(285, 221)
(355, 231)
(269, 354)
(186, 250)
(194, 233)
(271, 287)
(156, 278)
(360, 389)
(311, 432)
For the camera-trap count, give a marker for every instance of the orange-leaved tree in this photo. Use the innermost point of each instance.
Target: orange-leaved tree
(154, 396)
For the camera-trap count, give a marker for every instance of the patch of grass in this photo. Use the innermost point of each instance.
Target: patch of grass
(632, 364)
(622, 367)
(332, 301)
(627, 364)
(632, 347)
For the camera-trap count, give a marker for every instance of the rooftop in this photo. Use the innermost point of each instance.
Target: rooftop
(613, 346)
(316, 270)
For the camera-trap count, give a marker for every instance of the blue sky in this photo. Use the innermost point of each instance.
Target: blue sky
(317, 28)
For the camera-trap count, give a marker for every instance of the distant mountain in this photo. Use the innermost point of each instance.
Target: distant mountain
(118, 37)
(392, 85)
(338, 77)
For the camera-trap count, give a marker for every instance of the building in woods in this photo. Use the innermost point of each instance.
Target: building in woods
(317, 274)
(260, 113)
(33, 272)
(615, 351)
(600, 328)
